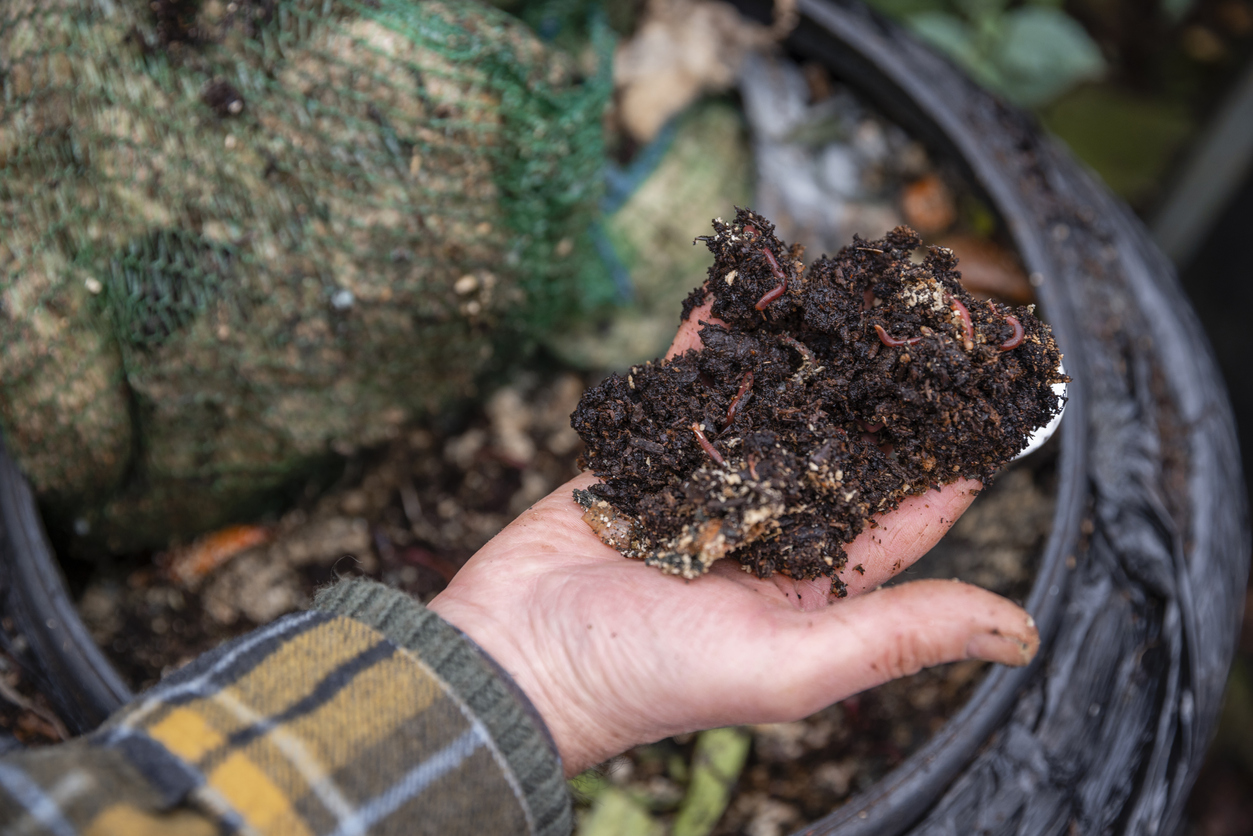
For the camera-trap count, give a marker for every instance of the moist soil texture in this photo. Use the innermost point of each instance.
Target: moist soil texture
(821, 397)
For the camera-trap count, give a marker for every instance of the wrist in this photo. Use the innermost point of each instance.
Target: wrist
(543, 675)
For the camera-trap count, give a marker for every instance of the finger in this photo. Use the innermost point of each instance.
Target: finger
(900, 630)
(900, 537)
(819, 658)
(688, 336)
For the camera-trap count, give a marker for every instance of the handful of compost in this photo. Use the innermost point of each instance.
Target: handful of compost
(821, 398)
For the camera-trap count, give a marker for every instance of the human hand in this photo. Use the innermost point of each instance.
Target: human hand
(614, 653)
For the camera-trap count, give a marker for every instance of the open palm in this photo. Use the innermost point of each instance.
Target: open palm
(613, 653)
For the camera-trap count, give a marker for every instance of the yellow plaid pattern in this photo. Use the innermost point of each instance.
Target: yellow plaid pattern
(317, 725)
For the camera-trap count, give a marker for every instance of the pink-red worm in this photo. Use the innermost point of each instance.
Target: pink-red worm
(706, 445)
(888, 340)
(745, 385)
(780, 289)
(1017, 338)
(968, 328)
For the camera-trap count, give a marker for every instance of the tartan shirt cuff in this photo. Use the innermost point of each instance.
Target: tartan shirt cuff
(486, 688)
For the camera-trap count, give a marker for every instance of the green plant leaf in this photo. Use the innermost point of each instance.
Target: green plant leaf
(978, 10)
(1043, 53)
(956, 39)
(1128, 138)
(947, 33)
(716, 764)
(615, 813)
(587, 785)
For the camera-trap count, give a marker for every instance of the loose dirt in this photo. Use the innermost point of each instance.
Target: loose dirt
(821, 398)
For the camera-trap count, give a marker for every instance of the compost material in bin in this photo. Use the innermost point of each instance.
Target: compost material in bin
(821, 398)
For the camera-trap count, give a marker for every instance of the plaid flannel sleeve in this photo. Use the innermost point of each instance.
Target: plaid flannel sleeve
(367, 714)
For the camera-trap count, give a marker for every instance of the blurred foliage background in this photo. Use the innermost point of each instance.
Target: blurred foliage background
(1125, 84)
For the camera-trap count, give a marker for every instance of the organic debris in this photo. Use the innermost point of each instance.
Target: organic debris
(27, 717)
(928, 205)
(682, 50)
(820, 399)
(190, 565)
(989, 269)
(409, 514)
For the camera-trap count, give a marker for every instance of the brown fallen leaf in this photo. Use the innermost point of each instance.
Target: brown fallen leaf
(928, 205)
(989, 270)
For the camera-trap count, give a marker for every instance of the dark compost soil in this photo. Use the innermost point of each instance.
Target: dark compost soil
(820, 399)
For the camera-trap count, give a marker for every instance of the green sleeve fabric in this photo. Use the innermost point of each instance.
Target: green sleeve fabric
(366, 715)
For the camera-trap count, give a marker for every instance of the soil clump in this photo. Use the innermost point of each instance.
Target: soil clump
(821, 398)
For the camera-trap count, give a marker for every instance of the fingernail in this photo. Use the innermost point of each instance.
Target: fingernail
(995, 647)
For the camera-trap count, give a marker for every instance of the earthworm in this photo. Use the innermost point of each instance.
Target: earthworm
(745, 385)
(799, 346)
(888, 340)
(1015, 340)
(777, 291)
(968, 328)
(706, 446)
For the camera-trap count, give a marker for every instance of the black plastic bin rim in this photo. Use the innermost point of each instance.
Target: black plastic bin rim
(76, 676)
(852, 44)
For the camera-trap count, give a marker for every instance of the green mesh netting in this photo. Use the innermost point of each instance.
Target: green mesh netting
(236, 236)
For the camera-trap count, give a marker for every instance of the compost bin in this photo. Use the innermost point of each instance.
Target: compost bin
(1139, 591)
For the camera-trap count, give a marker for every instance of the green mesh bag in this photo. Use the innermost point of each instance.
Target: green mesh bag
(236, 237)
